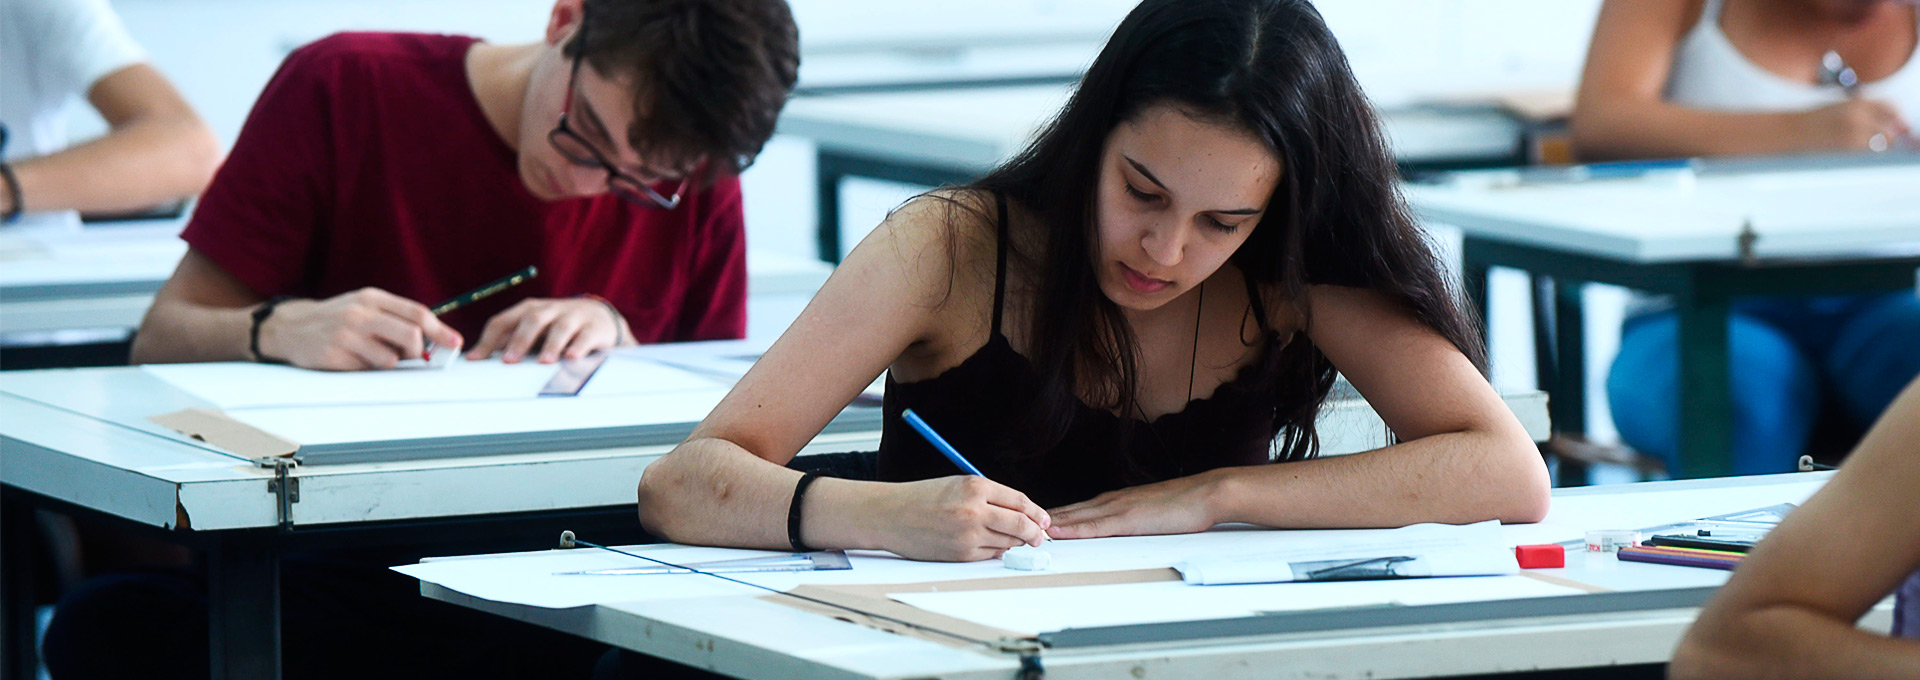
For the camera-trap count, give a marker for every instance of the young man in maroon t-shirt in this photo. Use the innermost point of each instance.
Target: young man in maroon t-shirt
(382, 173)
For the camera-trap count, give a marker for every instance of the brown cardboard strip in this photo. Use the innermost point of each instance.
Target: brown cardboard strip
(873, 599)
(1564, 581)
(216, 428)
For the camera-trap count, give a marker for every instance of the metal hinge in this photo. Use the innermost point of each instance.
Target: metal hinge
(1028, 649)
(1748, 238)
(284, 486)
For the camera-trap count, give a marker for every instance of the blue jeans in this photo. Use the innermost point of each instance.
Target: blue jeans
(1788, 355)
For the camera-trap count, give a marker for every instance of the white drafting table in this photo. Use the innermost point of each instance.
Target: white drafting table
(948, 136)
(120, 466)
(1639, 622)
(148, 477)
(99, 280)
(1768, 226)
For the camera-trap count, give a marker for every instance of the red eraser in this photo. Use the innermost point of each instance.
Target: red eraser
(1543, 556)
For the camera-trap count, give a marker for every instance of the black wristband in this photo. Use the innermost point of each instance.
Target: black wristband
(793, 513)
(15, 204)
(260, 315)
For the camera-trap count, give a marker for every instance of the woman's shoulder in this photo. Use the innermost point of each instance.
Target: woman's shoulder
(958, 222)
(939, 245)
(1283, 308)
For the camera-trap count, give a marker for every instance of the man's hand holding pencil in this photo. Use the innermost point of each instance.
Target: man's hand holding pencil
(364, 329)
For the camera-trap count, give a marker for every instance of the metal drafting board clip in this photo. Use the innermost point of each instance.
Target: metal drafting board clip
(284, 486)
(822, 560)
(1748, 237)
(1028, 649)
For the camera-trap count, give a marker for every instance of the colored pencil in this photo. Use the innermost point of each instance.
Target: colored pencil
(1678, 560)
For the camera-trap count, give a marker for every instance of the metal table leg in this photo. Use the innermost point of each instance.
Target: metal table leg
(1568, 409)
(243, 574)
(828, 172)
(1706, 393)
(1476, 274)
(18, 550)
(830, 167)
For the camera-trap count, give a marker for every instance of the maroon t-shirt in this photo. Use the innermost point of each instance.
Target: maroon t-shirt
(367, 162)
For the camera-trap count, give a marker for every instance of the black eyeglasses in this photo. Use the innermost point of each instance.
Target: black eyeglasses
(578, 151)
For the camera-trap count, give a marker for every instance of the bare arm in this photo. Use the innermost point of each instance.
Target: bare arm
(1621, 111)
(1789, 611)
(203, 313)
(727, 484)
(1464, 456)
(157, 150)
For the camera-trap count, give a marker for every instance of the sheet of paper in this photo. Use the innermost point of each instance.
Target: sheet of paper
(1572, 516)
(526, 578)
(236, 385)
(354, 423)
(533, 578)
(1418, 550)
(727, 360)
(1045, 610)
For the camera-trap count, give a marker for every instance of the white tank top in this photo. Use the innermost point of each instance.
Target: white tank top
(1710, 73)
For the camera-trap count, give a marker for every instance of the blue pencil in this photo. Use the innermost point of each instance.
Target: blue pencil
(939, 443)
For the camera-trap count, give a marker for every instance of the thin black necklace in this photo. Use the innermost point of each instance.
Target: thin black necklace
(1193, 361)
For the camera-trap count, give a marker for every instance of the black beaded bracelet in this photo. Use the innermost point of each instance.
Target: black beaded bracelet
(15, 203)
(260, 315)
(793, 513)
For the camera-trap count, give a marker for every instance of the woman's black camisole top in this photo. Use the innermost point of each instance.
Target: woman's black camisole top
(976, 404)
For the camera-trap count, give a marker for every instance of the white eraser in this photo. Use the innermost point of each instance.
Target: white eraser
(440, 357)
(1026, 558)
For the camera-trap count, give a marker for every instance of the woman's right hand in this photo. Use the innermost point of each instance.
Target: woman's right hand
(964, 518)
(1852, 125)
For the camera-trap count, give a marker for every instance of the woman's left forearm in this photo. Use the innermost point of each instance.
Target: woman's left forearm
(1453, 478)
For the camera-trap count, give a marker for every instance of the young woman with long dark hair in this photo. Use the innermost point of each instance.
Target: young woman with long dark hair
(1130, 328)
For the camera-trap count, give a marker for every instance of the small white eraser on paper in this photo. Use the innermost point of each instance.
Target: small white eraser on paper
(441, 357)
(1026, 558)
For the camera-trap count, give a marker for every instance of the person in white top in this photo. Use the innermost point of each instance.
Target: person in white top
(53, 52)
(1667, 78)
(1672, 78)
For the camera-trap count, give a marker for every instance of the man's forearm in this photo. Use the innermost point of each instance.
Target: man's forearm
(177, 332)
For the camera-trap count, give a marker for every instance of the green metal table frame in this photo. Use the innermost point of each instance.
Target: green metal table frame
(1703, 292)
(833, 165)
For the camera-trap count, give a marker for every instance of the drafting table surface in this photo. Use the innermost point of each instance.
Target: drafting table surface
(125, 467)
(96, 277)
(1794, 212)
(1788, 225)
(104, 277)
(751, 637)
(95, 447)
(976, 128)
